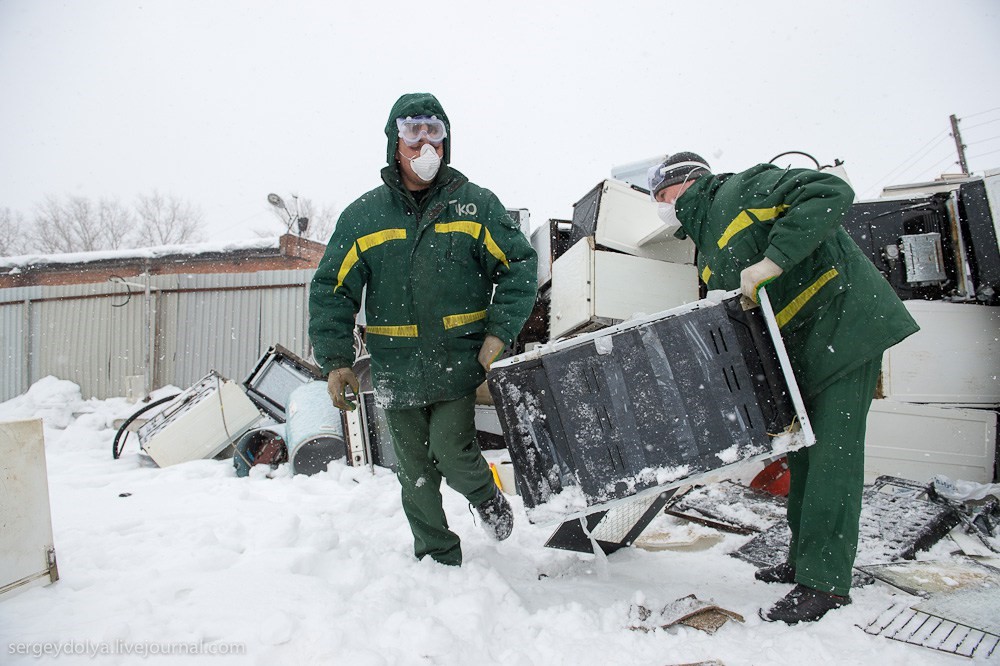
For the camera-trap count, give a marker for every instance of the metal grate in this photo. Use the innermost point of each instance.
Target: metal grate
(901, 623)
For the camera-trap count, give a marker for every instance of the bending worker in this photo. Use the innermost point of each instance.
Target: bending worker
(429, 246)
(836, 313)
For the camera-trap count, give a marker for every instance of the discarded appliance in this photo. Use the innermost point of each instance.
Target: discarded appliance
(901, 623)
(315, 431)
(199, 423)
(593, 288)
(645, 407)
(550, 241)
(898, 519)
(368, 439)
(610, 529)
(623, 217)
(263, 445)
(730, 507)
(278, 372)
(934, 240)
(28, 556)
(954, 359)
(918, 442)
(959, 611)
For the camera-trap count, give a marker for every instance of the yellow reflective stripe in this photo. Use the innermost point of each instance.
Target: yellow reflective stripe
(371, 240)
(397, 331)
(495, 250)
(705, 274)
(743, 221)
(454, 321)
(366, 242)
(765, 214)
(474, 229)
(462, 226)
(346, 266)
(799, 301)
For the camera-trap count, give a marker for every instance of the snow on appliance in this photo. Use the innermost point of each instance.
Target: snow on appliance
(199, 423)
(622, 415)
(28, 556)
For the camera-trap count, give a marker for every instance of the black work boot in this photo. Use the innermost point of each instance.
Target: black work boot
(779, 573)
(804, 604)
(497, 517)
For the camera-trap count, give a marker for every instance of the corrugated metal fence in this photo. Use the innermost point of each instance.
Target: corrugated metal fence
(177, 326)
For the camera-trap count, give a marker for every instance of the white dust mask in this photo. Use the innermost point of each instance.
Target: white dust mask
(668, 215)
(426, 165)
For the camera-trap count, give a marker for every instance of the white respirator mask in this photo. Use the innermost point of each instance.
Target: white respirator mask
(668, 215)
(426, 165)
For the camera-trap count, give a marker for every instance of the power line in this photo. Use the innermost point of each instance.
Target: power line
(980, 113)
(906, 164)
(995, 120)
(978, 141)
(934, 168)
(990, 152)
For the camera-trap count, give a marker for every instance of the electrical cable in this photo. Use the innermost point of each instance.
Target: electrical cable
(936, 166)
(989, 152)
(980, 113)
(122, 431)
(910, 161)
(988, 122)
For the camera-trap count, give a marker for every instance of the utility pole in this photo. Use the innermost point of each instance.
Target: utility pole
(959, 145)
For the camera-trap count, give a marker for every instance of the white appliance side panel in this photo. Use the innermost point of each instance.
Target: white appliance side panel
(572, 299)
(25, 520)
(919, 441)
(206, 429)
(625, 286)
(953, 358)
(626, 216)
(541, 241)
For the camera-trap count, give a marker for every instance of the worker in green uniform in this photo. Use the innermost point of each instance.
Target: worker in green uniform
(836, 313)
(449, 280)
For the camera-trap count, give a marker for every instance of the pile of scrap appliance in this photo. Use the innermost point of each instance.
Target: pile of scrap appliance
(280, 413)
(630, 383)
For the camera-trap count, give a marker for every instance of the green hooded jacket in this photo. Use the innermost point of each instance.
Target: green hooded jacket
(428, 272)
(834, 308)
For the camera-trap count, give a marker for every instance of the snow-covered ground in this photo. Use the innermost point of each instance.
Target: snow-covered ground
(319, 570)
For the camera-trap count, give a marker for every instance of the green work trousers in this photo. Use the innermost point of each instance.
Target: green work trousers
(827, 479)
(438, 440)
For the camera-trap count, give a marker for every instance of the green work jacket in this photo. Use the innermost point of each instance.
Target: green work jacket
(834, 309)
(439, 276)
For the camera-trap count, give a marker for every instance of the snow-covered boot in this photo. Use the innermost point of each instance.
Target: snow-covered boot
(497, 517)
(779, 573)
(804, 604)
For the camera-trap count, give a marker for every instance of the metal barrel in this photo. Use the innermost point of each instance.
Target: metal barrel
(315, 430)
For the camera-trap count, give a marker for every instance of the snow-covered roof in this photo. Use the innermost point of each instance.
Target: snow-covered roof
(191, 249)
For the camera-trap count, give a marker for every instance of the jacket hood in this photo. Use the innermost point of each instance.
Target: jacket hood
(415, 104)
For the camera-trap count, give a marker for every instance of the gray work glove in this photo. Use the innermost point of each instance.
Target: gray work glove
(492, 347)
(337, 384)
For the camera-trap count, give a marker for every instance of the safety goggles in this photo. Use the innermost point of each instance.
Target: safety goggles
(413, 129)
(661, 176)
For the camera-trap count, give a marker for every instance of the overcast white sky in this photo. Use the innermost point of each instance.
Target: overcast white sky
(221, 102)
